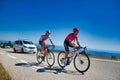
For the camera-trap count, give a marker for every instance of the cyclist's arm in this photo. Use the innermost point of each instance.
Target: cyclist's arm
(78, 43)
(51, 41)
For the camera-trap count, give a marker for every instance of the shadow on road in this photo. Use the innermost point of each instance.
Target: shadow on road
(9, 51)
(57, 70)
(27, 64)
(45, 68)
(22, 64)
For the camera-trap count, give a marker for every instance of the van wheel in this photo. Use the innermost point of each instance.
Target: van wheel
(34, 52)
(14, 50)
(22, 50)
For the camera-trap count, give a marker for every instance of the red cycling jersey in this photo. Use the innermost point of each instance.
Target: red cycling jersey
(71, 37)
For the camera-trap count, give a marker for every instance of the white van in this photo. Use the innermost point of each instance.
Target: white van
(24, 46)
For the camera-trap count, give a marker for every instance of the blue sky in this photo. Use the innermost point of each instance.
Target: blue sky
(98, 21)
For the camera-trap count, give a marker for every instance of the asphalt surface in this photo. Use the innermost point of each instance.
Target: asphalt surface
(24, 66)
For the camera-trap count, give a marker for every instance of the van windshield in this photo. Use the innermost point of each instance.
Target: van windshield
(27, 42)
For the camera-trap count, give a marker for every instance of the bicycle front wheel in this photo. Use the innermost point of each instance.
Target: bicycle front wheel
(50, 57)
(39, 57)
(82, 62)
(60, 59)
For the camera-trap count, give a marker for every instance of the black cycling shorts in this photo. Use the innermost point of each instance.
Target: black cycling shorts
(67, 45)
(40, 42)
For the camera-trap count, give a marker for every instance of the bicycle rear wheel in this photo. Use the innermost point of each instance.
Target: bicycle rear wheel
(82, 62)
(39, 57)
(50, 57)
(60, 58)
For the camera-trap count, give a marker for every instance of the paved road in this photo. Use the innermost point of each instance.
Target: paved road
(23, 66)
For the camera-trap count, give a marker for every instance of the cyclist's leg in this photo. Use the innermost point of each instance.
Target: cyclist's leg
(66, 45)
(40, 43)
(43, 45)
(66, 49)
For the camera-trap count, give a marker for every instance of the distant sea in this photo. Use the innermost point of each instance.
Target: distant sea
(93, 52)
(99, 53)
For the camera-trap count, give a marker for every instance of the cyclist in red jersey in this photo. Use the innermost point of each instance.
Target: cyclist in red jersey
(68, 43)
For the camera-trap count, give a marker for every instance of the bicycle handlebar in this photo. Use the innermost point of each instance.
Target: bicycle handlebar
(48, 46)
(82, 48)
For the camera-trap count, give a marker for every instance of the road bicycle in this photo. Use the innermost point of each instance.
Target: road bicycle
(79, 57)
(50, 57)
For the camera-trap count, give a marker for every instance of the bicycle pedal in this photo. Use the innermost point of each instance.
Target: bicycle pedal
(43, 58)
(68, 64)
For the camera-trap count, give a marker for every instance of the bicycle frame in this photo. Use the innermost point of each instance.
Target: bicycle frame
(76, 52)
(48, 50)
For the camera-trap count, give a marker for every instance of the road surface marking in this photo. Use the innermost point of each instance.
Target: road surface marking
(13, 57)
(37, 67)
(34, 66)
(24, 61)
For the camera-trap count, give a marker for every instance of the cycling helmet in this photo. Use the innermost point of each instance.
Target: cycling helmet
(48, 31)
(75, 30)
